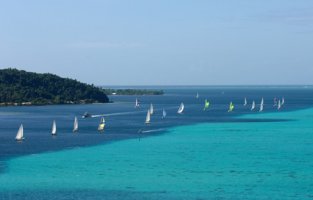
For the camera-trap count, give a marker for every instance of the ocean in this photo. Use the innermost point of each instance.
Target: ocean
(211, 154)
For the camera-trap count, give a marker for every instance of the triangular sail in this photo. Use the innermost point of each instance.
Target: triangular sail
(278, 105)
(75, 128)
(181, 108)
(148, 117)
(20, 133)
(197, 95)
(101, 124)
(283, 101)
(151, 109)
(54, 128)
(231, 107)
(206, 104)
(261, 105)
(137, 103)
(245, 103)
(253, 105)
(163, 114)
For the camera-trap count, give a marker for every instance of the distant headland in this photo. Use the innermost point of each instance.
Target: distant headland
(19, 87)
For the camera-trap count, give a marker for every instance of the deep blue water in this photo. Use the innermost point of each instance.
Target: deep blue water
(124, 121)
(196, 155)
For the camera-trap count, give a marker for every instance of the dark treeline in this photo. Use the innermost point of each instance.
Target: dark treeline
(21, 87)
(133, 92)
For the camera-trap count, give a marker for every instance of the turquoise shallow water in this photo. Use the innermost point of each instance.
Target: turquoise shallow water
(248, 160)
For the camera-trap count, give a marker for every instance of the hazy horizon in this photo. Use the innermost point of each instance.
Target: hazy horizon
(161, 43)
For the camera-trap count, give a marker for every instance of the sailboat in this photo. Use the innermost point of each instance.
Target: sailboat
(20, 134)
(151, 109)
(137, 103)
(283, 101)
(197, 96)
(101, 124)
(261, 105)
(278, 105)
(75, 129)
(246, 103)
(206, 104)
(148, 118)
(163, 114)
(181, 108)
(253, 105)
(54, 128)
(231, 107)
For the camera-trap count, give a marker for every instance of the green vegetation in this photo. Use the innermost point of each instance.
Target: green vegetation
(132, 92)
(18, 87)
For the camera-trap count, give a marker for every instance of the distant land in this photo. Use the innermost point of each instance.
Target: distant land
(18, 87)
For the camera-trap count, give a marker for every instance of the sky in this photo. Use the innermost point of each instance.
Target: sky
(161, 42)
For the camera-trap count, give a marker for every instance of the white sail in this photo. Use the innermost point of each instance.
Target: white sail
(283, 101)
(261, 105)
(181, 108)
(137, 103)
(278, 105)
(245, 102)
(253, 105)
(54, 128)
(75, 129)
(148, 117)
(197, 96)
(164, 114)
(151, 109)
(20, 133)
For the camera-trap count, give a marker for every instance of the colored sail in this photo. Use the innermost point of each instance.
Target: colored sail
(75, 128)
(181, 108)
(206, 104)
(231, 107)
(20, 133)
(54, 128)
(101, 124)
(148, 117)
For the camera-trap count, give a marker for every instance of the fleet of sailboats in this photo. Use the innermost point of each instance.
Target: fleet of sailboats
(150, 111)
(54, 128)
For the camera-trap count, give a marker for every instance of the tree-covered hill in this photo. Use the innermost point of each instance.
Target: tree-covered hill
(19, 87)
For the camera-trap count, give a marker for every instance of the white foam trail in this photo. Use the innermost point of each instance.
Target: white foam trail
(154, 130)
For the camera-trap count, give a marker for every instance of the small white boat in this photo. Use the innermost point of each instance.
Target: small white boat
(253, 105)
(278, 105)
(181, 108)
(20, 134)
(101, 124)
(151, 109)
(148, 118)
(75, 128)
(54, 128)
(261, 105)
(163, 114)
(137, 103)
(245, 103)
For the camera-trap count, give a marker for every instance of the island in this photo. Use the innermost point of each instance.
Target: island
(18, 87)
(132, 92)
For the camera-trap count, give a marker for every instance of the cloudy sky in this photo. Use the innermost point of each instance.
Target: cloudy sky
(161, 42)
